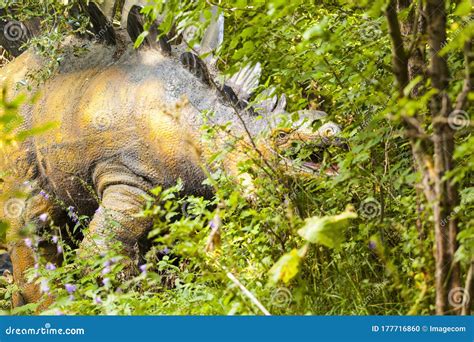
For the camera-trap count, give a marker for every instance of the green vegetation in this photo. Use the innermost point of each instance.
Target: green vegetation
(356, 243)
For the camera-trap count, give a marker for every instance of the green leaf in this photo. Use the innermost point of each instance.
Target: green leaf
(36, 130)
(286, 268)
(327, 230)
(3, 232)
(313, 31)
(25, 309)
(140, 39)
(464, 8)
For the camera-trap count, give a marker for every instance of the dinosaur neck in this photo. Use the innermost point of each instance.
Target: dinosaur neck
(236, 150)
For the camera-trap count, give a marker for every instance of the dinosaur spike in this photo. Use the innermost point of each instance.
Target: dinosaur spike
(246, 80)
(127, 6)
(266, 101)
(107, 7)
(134, 23)
(196, 66)
(101, 25)
(281, 105)
(214, 34)
(135, 26)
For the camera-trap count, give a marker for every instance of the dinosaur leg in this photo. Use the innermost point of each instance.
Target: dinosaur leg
(122, 198)
(37, 212)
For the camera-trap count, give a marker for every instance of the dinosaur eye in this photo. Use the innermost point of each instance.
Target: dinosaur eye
(281, 135)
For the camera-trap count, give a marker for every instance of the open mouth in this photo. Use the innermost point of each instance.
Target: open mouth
(329, 170)
(312, 164)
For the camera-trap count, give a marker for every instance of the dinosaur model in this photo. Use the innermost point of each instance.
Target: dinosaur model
(125, 123)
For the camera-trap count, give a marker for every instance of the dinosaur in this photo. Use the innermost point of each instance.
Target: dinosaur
(124, 124)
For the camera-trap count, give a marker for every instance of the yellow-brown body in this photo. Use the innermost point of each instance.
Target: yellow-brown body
(126, 121)
(123, 125)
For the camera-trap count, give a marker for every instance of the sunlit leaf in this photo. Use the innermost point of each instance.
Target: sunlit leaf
(286, 267)
(327, 230)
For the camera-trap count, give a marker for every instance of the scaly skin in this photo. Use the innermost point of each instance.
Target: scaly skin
(124, 126)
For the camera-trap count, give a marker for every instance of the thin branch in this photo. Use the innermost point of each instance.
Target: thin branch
(400, 60)
(416, 40)
(247, 293)
(469, 291)
(469, 78)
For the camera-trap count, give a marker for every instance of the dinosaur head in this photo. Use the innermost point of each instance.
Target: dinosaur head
(303, 144)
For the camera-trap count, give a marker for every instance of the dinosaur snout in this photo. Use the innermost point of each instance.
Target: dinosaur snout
(311, 150)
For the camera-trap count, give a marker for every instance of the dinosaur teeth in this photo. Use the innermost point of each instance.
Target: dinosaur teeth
(312, 166)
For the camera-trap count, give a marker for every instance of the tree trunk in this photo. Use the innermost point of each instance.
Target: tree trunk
(433, 161)
(446, 194)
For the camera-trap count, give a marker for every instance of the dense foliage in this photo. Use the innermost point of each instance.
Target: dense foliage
(360, 242)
